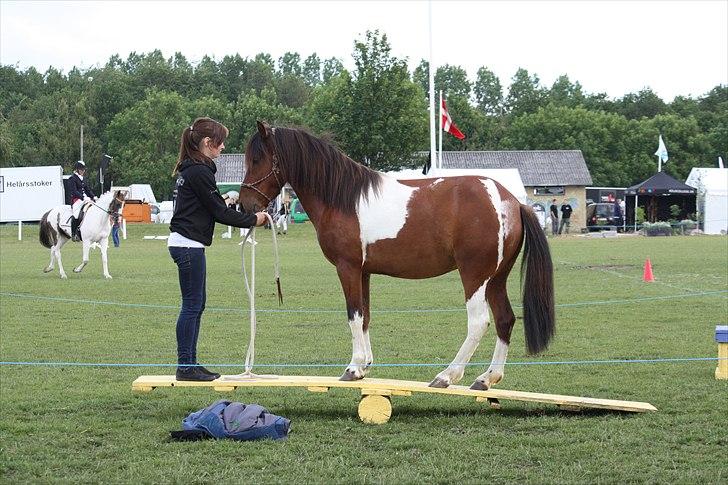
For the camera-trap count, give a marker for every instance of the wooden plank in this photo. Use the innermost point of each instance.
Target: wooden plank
(395, 387)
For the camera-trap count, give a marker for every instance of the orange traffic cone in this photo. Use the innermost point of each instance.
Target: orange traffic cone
(647, 276)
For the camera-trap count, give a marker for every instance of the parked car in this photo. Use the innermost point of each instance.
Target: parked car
(601, 216)
(298, 213)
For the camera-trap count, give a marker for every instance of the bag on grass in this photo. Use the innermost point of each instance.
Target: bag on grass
(234, 420)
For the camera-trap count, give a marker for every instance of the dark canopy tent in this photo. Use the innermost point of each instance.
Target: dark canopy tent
(656, 194)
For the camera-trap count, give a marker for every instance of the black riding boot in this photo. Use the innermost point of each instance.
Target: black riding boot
(75, 236)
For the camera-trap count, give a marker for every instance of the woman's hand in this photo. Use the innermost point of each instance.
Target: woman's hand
(262, 219)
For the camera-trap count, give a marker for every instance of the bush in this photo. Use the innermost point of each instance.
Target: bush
(688, 225)
(657, 229)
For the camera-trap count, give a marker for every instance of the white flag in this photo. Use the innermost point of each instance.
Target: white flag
(661, 150)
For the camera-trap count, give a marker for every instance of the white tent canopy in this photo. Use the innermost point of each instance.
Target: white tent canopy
(712, 185)
(509, 178)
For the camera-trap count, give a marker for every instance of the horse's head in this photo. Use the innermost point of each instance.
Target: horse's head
(263, 177)
(117, 203)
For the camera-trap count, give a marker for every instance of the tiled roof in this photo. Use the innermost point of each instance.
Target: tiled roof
(230, 168)
(537, 167)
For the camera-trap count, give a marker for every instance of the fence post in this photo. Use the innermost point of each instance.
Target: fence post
(123, 226)
(20, 230)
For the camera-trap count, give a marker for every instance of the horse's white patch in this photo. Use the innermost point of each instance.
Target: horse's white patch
(382, 215)
(495, 199)
(437, 182)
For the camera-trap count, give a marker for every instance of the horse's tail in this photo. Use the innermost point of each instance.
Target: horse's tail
(538, 286)
(47, 234)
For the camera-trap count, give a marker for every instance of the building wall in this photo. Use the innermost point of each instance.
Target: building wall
(574, 194)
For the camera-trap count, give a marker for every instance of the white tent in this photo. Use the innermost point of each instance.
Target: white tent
(712, 185)
(509, 178)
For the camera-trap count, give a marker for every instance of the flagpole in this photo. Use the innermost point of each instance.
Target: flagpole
(439, 132)
(433, 152)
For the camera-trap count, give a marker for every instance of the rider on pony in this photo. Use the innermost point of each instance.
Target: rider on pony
(80, 194)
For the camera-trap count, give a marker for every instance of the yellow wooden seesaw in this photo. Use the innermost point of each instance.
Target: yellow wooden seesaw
(376, 407)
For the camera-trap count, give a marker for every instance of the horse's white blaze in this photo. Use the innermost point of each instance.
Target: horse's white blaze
(383, 214)
(477, 325)
(359, 345)
(495, 198)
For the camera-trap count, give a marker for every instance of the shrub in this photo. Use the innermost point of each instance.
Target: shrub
(657, 229)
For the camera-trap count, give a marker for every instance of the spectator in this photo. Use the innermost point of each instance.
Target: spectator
(566, 211)
(554, 218)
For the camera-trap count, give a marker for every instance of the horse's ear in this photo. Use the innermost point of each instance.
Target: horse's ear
(263, 129)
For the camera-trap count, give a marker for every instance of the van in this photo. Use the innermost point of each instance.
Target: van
(601, 216)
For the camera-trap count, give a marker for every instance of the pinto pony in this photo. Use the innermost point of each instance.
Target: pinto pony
(55, 230)
(370, 223)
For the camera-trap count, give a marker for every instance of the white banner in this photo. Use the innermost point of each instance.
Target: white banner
(26, 193)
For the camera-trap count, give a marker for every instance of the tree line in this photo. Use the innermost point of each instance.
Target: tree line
(134, 109)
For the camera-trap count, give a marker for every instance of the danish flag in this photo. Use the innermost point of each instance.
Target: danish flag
(448, 125)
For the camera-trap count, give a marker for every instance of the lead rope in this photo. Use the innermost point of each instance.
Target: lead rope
(250, 289)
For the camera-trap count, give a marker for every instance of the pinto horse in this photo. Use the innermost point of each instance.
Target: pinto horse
(370, 223)
(55, 230)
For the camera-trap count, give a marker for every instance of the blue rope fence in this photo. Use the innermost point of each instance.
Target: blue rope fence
(433, 364)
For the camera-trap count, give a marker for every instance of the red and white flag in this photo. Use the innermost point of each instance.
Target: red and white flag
(448, 125)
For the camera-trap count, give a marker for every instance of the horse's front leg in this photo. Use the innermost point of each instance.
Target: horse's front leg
(351, 282)
(86, 247)
(477, 325)
(104, 257)
(365, 326)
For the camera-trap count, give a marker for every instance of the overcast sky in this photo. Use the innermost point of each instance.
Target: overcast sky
(617, 47)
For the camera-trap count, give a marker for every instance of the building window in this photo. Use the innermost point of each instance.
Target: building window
(549, 191)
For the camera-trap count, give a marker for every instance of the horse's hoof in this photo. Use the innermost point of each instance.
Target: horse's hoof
(76, 270)
(439, 383)
(479, 386)
(47, 270)
(107, 276)
(349, 376)
(64, 277)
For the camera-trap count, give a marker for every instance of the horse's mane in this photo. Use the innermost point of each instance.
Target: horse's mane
(318, 167)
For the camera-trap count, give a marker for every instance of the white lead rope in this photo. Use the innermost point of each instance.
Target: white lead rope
(250, 289)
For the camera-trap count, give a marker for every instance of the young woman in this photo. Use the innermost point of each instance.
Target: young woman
(198, 205)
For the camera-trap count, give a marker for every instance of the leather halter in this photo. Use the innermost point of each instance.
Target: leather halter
(274, 171)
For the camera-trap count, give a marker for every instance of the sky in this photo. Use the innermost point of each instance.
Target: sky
(615, 47)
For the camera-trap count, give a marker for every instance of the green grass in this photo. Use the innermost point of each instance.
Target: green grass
(83, 424)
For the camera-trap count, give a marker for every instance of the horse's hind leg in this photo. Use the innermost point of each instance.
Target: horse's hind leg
(504, 320)
(57, 250)
(477, 325)
(86, 248)
(50, 266)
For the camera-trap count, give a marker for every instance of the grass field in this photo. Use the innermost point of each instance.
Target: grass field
(65, 423)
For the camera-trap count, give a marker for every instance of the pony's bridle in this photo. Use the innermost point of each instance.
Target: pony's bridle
(274, 171)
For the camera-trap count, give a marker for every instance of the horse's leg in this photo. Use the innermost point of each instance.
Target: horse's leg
(57, 251)
(504, 321)
(50, 266)
(365, 326)
(477, 325)
(351, 282)
(104, 258)
(86, 247)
